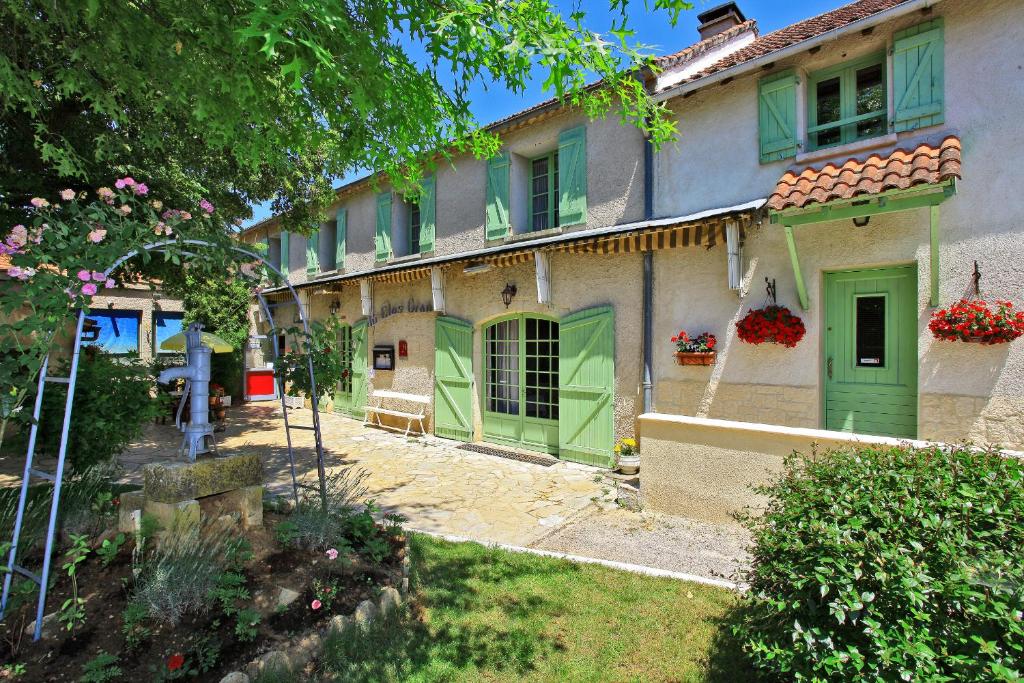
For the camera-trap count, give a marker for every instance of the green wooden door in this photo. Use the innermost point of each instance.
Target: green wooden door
(453, 379)
(586, 386)
(871, 351)
(520, 397)
(357, 400)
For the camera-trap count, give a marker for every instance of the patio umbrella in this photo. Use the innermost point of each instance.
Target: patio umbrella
(177, 343)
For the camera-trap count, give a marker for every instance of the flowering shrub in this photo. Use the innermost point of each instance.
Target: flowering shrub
(773, 324)
(703, 343)
(59, 261)
(976, 321)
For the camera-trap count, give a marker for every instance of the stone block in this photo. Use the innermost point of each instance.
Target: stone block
(129, 503)
(365, 613)
(339, 622)
(235, 677)
(286, 596)
(177, 481)
(174, 516)
(390, 600)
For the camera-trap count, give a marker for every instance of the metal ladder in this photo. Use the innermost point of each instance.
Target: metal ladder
(314, 399)
(57, 478)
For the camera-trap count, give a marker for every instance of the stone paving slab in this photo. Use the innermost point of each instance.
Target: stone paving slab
(439, 487)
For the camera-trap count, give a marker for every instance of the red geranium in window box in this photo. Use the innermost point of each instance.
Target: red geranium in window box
(977, 322)
(699, 350)
(772, 324)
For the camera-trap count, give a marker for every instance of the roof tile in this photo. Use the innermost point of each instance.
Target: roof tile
(898, 170)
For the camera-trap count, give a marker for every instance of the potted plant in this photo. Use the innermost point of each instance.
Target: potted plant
(627, 456)
(977, 322)
(771, 324)
(699, 350)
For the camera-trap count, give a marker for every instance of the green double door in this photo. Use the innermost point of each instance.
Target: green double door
(870, 360)
(350, 398)
(548, 384)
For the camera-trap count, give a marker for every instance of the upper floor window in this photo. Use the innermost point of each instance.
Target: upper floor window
(847, 103)
(544, 192)
(414, 227)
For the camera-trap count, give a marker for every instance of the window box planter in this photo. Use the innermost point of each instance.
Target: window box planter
(696, 357)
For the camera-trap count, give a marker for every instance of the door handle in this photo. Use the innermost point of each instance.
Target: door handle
(828, 366)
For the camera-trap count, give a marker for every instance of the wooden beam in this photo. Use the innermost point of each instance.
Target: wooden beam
(801, 289)
(933, 224)
(895, 200)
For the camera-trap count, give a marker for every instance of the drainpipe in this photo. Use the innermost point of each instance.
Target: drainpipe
(648, 304)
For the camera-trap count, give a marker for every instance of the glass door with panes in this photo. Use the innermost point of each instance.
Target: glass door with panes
(343, 398)
(520, 396)
(871, 351)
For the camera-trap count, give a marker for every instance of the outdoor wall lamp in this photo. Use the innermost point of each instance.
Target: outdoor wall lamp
(862, 221)
(508, 294)
(334, 307)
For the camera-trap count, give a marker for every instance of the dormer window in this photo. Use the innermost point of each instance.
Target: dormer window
(847, 103)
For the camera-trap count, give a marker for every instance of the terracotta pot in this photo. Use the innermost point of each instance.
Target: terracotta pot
(695, 357)
(214, 401)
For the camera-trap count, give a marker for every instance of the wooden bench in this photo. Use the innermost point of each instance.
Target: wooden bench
(373, 412)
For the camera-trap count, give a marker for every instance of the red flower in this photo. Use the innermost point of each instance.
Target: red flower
(774, 324)
(976, 321)
(116, 501)
(175, 661)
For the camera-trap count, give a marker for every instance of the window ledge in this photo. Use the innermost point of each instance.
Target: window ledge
(533, 235)
(324, 273)
(849, 148)
(405, 259)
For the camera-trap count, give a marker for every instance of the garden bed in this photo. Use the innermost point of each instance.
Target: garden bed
(240, 620)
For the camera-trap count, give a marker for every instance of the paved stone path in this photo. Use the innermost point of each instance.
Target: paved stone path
(437, 486)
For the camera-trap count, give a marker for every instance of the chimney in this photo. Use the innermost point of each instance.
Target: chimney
(718, 19)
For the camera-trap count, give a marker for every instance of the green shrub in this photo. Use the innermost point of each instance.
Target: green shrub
(112, 401)
(889, 564)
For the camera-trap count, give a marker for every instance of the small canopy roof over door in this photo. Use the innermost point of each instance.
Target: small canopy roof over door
(899, 180)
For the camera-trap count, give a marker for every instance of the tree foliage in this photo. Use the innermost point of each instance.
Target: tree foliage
(246, 100)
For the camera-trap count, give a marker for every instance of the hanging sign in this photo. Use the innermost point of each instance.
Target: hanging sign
(389, 309)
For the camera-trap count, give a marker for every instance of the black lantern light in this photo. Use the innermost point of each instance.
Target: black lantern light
(334, 307)
(508, 294)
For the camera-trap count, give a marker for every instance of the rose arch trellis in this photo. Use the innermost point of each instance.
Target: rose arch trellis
(57, 477)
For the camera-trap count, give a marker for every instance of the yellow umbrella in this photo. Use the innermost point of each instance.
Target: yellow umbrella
(177, 343)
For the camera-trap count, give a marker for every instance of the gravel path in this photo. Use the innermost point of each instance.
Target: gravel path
(654, 540)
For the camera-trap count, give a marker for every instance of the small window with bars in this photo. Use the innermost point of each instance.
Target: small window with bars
(414, 226)
(544, 192)
(502, 367)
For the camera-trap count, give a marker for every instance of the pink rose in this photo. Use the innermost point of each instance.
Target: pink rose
(105, 193)
(89, 289)
(14, 271)
(206, 206)
(97, 276)
(125, 209)
(124, 182)
(97, 235)
(140, 189)
(67, 195)
(39, 202)
(84, 275)
(109, 284)
(316, 604)
(332, 554)
(18, 236)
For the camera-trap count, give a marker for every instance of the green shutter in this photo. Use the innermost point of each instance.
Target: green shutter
(382, 240)
(776, 116)
(427, 202)
(285, 252)
(313, 253)
(453, 379)
(917, 76)
(340, 234)
(586, 381)
(572, 176)
(496, 218)
(360, 361)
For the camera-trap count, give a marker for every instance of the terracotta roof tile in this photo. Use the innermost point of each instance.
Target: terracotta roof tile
(899, 169)
(801, 31)
(697, 49)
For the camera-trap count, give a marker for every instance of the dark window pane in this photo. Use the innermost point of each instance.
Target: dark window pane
(870, 98)
(871, 331)
(827, 106)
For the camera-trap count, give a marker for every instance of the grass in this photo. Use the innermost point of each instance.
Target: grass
(482, 614)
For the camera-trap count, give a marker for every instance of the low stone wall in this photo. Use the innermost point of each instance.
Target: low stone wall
(704, 468)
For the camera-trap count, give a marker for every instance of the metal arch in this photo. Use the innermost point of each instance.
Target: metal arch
(57, 478)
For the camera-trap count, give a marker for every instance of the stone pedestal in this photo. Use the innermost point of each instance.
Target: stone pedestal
(181, 494)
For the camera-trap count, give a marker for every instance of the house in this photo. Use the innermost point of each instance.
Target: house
(860, 160)
(131, 319)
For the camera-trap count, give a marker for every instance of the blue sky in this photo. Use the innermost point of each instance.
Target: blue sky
(652, 30)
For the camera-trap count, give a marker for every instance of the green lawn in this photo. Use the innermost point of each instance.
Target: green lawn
(492, 615)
